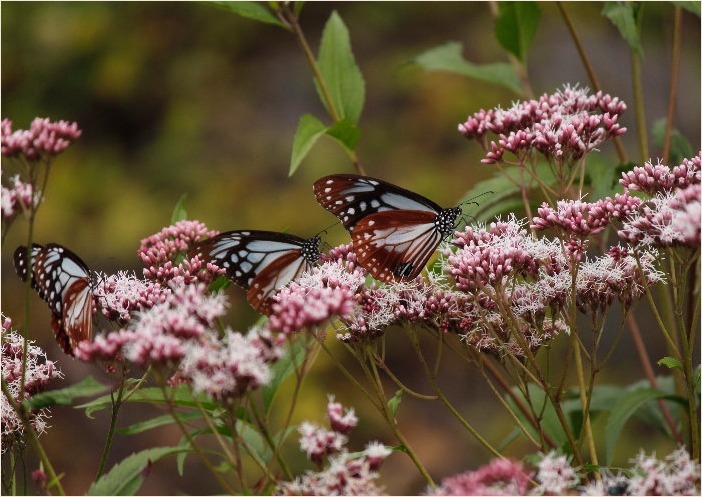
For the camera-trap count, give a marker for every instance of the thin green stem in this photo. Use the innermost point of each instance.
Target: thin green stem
(116, 404)
(260, 421)
(444, 400)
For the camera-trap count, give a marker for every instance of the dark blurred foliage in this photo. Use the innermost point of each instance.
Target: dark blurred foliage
(185, 97)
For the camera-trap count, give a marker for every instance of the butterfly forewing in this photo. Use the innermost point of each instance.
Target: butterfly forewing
(260, 261)
(351, 198)
(62, 280)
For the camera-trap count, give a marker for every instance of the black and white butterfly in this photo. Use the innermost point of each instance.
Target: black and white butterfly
(62, 280)
(394, 231)
(262, 262)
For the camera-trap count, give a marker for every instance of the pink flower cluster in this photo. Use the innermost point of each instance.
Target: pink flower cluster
(564, 126)
(499, 477)
(159, 252)
(345, 474)
(159, 333)
(668, 219)
(43, 139)
(578, 219)
(119, 296)
(229, 367)
(660, 178)
(677, 474)
(490, 256)
(324, 292)
(39, 371)
(18, 198)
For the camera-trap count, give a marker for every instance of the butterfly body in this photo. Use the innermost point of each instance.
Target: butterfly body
(262, 262)
(62, 280)
(394, 231)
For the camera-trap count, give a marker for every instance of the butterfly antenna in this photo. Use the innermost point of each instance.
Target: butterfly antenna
(472, 199)
(327, 228)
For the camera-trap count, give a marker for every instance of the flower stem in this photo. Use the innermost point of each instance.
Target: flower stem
(673, 92)
(639, 105)
(116, 404)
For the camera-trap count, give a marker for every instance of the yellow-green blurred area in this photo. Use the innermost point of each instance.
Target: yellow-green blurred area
(188, 98)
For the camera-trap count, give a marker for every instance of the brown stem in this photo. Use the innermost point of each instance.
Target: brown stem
(590, 72)
(640, 347)
(673, 93)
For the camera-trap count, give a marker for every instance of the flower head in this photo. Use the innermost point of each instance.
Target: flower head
(39, 371)
(660, 178)
(499, 477)
(44, 138)
(563, 126)
(18, 198)
(555, 475)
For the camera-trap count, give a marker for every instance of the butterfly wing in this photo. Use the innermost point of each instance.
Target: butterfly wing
(260, 261)
(396, 245)
(351, 197)
(62, 280)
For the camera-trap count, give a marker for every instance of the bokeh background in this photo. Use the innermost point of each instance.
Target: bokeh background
(186, 98)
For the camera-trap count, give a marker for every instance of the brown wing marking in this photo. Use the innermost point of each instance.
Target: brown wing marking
(275, 276)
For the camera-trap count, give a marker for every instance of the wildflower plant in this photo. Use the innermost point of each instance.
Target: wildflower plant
(535, 298)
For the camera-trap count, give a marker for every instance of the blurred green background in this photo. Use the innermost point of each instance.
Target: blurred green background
(187, 98)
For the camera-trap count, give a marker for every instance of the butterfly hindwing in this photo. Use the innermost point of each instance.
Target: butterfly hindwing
(62, 280)
(395, 245)
(260, 261)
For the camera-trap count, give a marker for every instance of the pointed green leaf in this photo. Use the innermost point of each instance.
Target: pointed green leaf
(309, 129)
(346, 133)
(342, 77)
(670, 363)
(152, 423)
(394, 403)
(626, 406)
(179, 213)
(126, 477)
(516, 26)
(600, 175)
(449, 58)
(65, 396)
(623, 17)
(252, 10)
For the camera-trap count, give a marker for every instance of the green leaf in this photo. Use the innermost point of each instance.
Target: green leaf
(346, 133)
(342, 77)
(516, 25)
(309, 129)
(252, 10)
(64, 396)
(549, 419)
(600, 174)
(156, 422)
(623, 17)
(693, 7)
(254, 441)
(126, 477)
(670, 363)
(624, 409)
(680, 147)
(281, 370)
(219, 284)
(394, 403)
(179, 213)
(448, 58)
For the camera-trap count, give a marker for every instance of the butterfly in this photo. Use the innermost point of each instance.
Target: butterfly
(394, 231)
(62, 280)
(262, 262)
